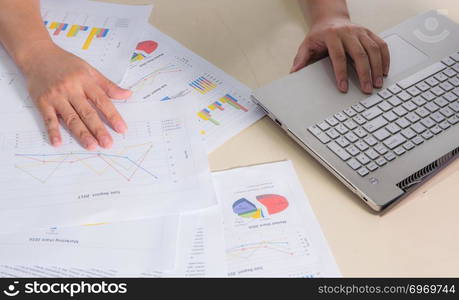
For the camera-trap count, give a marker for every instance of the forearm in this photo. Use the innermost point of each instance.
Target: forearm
(317, 11)
(22, 29)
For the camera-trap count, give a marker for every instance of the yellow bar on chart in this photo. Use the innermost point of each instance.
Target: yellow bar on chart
(53, 25)
(92, 34)
(203, 116)
(73, 30)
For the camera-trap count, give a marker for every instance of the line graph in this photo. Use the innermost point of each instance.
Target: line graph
(42, 167)
(248, 250)
(151, 77)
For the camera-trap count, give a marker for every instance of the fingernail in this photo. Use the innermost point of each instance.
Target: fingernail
(90, 143)
(379, 82)
(105, 141)
(55, 141)
(120, 127)
(343, 86)
(386, 71)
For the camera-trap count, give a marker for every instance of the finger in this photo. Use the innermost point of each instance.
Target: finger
(385, 53)
(339, 62)
(51, 122)
(75, 125)
(361, 61)
(374, 55)
(302, 58)
(92, 120)
(112, 90)
(103, 103)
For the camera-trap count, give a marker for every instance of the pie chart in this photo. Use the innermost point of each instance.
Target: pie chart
(144, 49)
(265, 205)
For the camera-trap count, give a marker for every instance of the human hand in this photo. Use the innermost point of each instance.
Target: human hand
(63, 85)
(338, 37)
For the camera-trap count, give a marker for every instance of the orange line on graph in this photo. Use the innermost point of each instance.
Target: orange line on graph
(112, 161)
(239, 251)
(116, 170)
(141, 161)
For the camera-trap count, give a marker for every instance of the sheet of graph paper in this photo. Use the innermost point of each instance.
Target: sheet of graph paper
(159, 166)
(270, 229)
(223, 106)
(122, 247)
(103, 34)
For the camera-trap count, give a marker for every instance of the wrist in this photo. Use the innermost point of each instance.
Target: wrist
(29, 55)
(330, 19)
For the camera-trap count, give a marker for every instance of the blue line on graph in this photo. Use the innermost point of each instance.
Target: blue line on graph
(91, 154)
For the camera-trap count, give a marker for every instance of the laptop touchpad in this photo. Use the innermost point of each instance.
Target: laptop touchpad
(403, 55)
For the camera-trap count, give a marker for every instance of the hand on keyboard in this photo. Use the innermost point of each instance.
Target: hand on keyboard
(340, 38)
(374, 132)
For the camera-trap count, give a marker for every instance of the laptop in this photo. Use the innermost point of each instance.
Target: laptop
(385, 145)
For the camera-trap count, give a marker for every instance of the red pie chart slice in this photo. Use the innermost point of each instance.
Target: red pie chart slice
(273, 203)
(147, 46)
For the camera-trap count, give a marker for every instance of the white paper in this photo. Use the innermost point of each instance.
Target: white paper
(270, 229)
(200, 253)
(103, 34)
(160, 166)
(127, 247)
(179, 75)
(15, 97)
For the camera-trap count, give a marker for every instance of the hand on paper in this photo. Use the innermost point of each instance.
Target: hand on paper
(64, 86)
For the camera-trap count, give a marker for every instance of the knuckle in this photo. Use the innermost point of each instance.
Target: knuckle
(88, 114)
(384, 45)
(360, 54)
(334, 30)
(113, 117)
(71, 119)
(99, 131)
(98, 101)
(340, 56)
(49, 121)
(341, 74)
(83, 134)
(374, 47)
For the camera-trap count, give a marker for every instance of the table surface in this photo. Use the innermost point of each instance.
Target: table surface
(255, 41)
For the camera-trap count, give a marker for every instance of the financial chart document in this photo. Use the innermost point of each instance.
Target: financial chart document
(270, 229)
(200, 248)
(160, 166)
(102, 34)
(199, 251)
(130, 247)
(222, 105)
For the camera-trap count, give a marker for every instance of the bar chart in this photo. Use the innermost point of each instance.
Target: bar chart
(206, 113)
(204, 84)
(58, 28)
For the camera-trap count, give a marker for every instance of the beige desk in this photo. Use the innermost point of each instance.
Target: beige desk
(255, 41)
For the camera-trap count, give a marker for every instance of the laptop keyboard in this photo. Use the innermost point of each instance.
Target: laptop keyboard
(373, 133)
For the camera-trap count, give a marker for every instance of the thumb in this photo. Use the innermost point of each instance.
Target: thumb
(116, 92)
